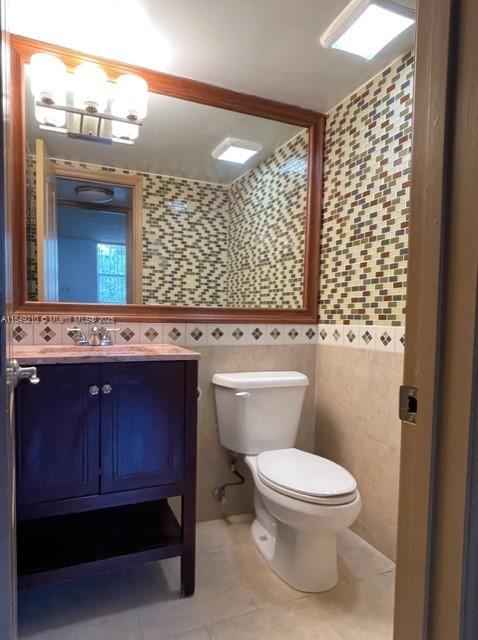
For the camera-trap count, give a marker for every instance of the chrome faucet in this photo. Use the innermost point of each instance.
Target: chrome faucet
(99, 336)
(78, 336)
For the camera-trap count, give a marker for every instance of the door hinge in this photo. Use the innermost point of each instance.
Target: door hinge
(408, 406)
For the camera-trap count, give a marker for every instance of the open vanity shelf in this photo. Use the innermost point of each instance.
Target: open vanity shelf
(68, 546)
(103, 440)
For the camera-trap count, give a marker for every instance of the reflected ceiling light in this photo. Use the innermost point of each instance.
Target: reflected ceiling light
(236, 150)
(90, 86)
(95, 195)
(365, 26)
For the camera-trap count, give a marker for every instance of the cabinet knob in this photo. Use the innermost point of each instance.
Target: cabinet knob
(94, 390)
(106, 388)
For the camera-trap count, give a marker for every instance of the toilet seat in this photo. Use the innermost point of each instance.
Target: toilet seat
(305, 476)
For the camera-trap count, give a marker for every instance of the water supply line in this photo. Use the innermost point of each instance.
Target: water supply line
(219, 493)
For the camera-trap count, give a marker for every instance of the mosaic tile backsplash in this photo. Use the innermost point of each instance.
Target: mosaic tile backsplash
(217, 245)
(366, 202)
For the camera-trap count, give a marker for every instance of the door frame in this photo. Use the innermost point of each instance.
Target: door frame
(135, 220)
(440, 324)
(8, 591)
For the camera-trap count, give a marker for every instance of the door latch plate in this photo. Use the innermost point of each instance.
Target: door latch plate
(408, 406)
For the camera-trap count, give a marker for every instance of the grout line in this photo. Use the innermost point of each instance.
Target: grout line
(259, 608)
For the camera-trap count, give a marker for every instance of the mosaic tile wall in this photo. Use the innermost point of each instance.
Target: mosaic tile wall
(184, 242)
(267, 230)
(213, 245)
(366, 202)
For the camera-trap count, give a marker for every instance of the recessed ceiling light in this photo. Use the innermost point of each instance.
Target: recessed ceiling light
(235, 150)
(365, 26)
(95, 195)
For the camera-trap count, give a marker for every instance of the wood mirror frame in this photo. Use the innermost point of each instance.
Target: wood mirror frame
(174, 86)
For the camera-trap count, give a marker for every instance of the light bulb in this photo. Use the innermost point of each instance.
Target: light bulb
(50, 117)
(122, 130)
(47, 78)
(131, 97)
(90, 85)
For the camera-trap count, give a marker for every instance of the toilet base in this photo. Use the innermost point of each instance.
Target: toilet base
(305, 561)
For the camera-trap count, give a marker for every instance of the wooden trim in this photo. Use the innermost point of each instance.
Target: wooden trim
(459, 323)
(441, 325)
(186, 89)
(175, 86)
(8, 572)
(423, 328)
(40, 216)
(135, 221)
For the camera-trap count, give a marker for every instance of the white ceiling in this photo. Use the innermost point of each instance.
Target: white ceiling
(269, 48)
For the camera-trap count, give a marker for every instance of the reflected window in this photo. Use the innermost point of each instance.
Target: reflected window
(111, 272)
(93, 242)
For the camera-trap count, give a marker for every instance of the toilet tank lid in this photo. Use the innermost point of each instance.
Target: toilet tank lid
(260, 379)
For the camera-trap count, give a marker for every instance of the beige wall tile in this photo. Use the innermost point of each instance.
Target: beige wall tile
(357, 426)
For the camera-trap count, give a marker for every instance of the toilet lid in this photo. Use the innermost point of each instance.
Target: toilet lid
(306, 476)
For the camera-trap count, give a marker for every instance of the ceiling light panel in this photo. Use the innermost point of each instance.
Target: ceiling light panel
(236, 150)
(365, 26)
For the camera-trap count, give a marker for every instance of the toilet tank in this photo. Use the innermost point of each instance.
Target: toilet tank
(259, 410)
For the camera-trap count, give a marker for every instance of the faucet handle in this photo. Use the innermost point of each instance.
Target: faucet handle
(105, 335)
(78, 336)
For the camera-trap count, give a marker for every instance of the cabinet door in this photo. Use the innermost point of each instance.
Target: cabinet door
(57, 426)
(142, 425)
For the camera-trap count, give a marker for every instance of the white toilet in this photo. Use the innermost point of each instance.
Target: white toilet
(301, 500)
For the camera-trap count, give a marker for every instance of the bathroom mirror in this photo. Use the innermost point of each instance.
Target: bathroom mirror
(209, 205)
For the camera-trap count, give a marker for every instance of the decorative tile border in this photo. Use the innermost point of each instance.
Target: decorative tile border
(364, 336)
(370, 337)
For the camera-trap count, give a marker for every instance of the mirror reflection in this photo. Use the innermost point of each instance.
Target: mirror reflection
(199, 206)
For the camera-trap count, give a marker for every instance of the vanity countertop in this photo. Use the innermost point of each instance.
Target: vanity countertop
(58, 354)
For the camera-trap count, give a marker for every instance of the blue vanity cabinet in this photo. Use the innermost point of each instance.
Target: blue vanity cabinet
(100, 449)
(142, 425)
(57, 435)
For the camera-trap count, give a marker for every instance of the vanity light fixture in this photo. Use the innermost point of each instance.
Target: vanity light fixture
(236, 150)
(89, 84)
(364, 27)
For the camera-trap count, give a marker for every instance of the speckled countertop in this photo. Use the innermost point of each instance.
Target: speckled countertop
(58, 354)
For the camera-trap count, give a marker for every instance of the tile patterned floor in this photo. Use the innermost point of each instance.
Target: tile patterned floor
(237, 598)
